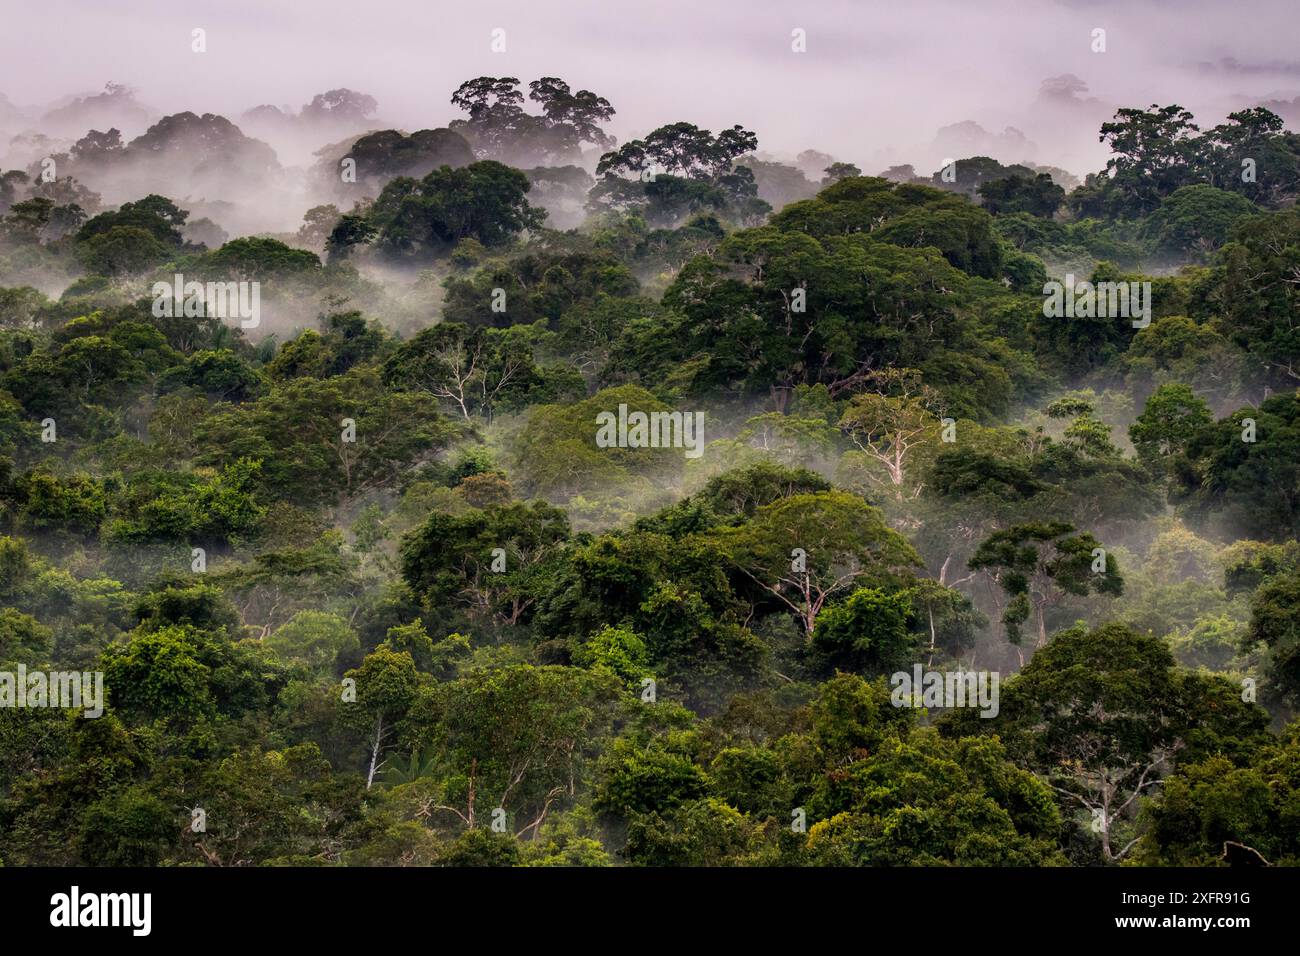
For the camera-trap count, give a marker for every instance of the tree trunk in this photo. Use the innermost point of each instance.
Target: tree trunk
(374, 751)
(930, 661)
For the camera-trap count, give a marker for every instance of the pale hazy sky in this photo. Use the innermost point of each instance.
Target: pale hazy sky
(877, 80)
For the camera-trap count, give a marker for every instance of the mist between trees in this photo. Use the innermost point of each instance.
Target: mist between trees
(574, 502)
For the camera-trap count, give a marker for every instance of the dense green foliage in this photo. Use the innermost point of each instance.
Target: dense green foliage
(365, 585)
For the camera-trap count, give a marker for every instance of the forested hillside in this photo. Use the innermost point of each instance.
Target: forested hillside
(381, 565)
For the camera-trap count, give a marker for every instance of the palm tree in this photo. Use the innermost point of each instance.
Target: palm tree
(415, 767)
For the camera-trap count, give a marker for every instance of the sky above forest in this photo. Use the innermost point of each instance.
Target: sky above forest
(877, 81)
